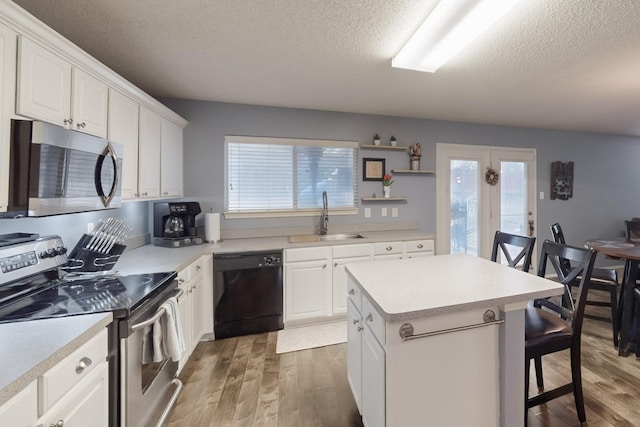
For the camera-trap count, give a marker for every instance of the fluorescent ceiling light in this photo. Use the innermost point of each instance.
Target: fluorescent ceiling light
(451, 25)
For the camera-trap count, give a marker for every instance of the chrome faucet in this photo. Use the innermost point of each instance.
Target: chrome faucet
(324, 228)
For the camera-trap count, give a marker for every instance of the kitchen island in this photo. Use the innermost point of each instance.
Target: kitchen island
(439, 340)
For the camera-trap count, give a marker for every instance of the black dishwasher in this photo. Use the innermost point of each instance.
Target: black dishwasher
(247, 293)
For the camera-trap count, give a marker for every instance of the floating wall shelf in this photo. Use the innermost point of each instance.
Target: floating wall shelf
(409, 172)
(383, 147)
(384, 199)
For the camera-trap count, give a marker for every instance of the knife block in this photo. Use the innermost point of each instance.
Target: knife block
(82, 259)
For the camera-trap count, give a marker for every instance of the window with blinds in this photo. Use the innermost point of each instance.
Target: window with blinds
(283, 175)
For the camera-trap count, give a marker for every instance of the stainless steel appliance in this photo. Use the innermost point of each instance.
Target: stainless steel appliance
(140, 394)
(56, 171)
(174, 224)
(247, 289)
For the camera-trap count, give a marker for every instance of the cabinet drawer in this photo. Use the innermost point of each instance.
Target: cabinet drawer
(350, 251)
(67, 373)
(419, 246)
(195, 268)
(371, 317)
(354, 294)
(388, 248)
(307, 254)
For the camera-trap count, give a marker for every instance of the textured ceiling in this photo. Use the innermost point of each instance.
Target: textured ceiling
(556, 64)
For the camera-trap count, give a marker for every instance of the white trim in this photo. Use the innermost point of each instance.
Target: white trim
(288, 213)
(289, 141)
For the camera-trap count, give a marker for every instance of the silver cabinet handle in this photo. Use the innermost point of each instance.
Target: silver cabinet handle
(420, 246)
(324, 266)
(369, 318)
(198, 268)
(360, 328)
(58, 424)
(68, 121)
(335, 264)
(166, 193)
(81, 125)
(356, 321)
(388, 248)
(83, 364)
(352, 292)
(144, 194)
(180, 280)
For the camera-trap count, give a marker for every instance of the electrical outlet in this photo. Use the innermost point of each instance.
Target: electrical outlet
(367, 212)
(90, 227)
(384, 212)
(542, 195)
(394, 212)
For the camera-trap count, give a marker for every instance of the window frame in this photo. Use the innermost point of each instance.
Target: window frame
(293, 212)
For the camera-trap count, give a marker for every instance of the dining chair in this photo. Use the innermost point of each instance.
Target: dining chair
(555, 327)
(514, 248)
(633, 230)
(602, 279)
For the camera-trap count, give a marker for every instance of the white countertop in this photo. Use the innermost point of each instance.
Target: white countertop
(29, 349)
(414, 288)
(152, 259)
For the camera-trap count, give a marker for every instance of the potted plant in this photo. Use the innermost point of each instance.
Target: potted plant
(376, 139)
(415, 153)
(393, 141)
(387, 180)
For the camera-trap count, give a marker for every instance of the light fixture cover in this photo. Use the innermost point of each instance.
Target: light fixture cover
(451, 26)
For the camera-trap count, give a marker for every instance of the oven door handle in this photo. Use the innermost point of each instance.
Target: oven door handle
(158, 314)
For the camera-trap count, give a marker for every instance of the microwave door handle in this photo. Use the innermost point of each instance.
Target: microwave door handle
(110, 152)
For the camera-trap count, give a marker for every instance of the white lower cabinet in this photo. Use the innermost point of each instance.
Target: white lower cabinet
(307, 289)
(86, 405)
(22, 409)
(422, 381)
(343, 255)
(195, 305)
(74, 392)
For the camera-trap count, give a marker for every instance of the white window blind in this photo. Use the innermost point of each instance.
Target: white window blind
(288, 175)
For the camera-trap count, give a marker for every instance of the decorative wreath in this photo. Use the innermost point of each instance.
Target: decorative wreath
(491, 176)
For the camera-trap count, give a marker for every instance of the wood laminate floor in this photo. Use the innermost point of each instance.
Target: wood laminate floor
(242, 382)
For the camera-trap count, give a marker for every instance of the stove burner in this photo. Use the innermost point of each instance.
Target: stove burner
(110, 285)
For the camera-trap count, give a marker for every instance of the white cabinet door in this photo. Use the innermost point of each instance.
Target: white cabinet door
(7, 106)
(354, 352)
(373, 406)
(22, 409)
(149, 151)
(340, 282)
(171, 160)
(306, 289)
(207, 293)
(90, 101)
(197, 317)
(184, 305)
(86, 405)
(123, 129)
(44, 84)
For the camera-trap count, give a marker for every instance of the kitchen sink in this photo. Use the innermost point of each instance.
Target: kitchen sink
(308, 238)
(340, 236)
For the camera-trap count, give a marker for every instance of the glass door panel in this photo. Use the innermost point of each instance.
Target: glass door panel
(513, 198)
(463, 203)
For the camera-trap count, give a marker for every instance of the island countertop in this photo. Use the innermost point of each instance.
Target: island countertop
(408, 289)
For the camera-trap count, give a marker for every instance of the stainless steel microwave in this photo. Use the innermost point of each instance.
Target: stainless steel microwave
(57, 171)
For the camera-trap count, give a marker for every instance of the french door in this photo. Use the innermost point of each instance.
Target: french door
(473, 202)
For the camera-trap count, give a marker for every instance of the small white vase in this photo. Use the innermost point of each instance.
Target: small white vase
(387, 191)
(393, 143)
(376, 142)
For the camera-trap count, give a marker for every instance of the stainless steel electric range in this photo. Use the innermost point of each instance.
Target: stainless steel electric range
(32, 287)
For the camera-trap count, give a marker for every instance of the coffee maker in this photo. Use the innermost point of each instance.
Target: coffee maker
(174, 224)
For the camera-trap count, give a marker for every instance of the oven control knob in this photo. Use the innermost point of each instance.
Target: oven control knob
(187, 241)
(61, 250)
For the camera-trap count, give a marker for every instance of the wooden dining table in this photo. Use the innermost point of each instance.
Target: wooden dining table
(629, 251)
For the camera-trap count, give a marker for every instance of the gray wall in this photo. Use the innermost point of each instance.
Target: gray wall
(606, 175)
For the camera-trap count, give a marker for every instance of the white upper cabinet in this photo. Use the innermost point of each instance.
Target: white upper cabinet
(47, 85)
(171, 160)
(44, 84)
(89, 106)
(7, 104)
(123, 129)
(149, 152)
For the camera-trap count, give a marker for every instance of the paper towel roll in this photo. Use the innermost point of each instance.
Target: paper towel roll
(212, 227)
